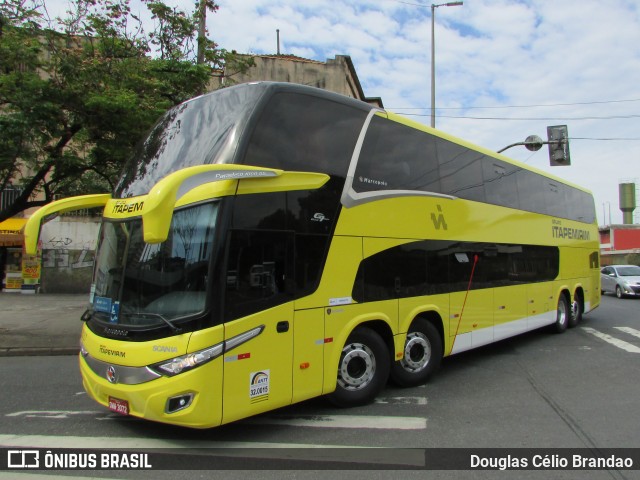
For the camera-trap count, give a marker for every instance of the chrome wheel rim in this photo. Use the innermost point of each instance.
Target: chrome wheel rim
(417, 352)
(357, 367)
(562, 313)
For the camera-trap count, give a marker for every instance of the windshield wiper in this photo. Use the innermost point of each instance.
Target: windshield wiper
(156, 315)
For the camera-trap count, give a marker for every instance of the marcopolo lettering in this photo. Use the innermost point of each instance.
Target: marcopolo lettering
(116, 332)
(372, 181)
(234, 174)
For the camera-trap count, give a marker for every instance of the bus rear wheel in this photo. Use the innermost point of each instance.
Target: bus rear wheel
(363, 369)
(576, 310)
(422, 355)
(562, 315)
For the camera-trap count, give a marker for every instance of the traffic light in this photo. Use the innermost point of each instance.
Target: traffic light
(558, 140)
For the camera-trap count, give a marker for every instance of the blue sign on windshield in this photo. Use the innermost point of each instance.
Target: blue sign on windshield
(102, 304)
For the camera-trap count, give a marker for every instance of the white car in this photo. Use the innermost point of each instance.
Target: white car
(622, 280)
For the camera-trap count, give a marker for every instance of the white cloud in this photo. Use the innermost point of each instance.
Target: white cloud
(488, 53)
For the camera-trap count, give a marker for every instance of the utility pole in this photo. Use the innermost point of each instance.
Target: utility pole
(202, 31)
(433, 56)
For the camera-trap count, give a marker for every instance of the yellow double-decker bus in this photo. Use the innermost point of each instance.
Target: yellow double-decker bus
(270, 243)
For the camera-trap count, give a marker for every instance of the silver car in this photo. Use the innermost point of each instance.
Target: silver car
(622, 280)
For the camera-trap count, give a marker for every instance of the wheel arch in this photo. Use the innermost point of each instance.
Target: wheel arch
(578, 295)
(377, 324)
(434, 318)
(383, 329)
(565, 291)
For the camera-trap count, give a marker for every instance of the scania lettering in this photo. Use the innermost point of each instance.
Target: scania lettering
(270, 243)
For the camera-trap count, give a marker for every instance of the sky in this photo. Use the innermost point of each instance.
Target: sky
(505, 69)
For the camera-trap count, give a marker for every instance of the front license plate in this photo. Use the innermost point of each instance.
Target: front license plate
(119, 406)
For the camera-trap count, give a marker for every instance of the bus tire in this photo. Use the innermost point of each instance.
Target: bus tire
(363, 369)
(576, 311)
(422, 355)
(562, 314)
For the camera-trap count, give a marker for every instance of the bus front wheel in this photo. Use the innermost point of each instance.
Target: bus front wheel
(363, 369)
(422, 355)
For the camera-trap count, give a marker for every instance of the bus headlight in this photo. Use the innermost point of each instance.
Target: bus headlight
(83, 351)
(183, 363)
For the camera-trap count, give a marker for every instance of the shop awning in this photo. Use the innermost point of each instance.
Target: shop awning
(11, 232)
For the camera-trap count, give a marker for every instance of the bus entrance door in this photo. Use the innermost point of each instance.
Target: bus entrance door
(257, 373)
(308, 353)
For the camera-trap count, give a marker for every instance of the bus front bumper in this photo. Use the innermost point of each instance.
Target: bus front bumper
(191, 399)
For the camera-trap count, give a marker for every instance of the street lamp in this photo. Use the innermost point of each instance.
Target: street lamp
(433, 56)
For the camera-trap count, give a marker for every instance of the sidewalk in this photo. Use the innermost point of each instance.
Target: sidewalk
(41, 324)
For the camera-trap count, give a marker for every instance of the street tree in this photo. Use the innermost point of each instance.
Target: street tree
(78, 92)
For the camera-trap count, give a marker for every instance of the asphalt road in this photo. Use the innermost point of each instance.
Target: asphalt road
(579, 389)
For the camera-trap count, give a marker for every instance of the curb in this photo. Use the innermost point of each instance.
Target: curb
(39, 352)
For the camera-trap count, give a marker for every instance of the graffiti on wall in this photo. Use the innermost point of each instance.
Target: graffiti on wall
(65, 258)
(58, 242)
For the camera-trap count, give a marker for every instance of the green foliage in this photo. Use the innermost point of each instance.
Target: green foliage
(77, 94)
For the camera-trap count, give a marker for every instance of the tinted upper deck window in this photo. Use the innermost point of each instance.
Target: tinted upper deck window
(305, 133)
(395, 156)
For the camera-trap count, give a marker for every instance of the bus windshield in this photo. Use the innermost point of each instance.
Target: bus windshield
(179, 140)
(138, 284)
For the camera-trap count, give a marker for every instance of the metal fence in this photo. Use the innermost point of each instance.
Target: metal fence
(9, 195)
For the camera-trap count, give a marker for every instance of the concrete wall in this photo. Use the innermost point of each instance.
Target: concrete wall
(68, 252)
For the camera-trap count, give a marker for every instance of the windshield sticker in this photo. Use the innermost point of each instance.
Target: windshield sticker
(259, 386)
(115, 312)
(102, 304)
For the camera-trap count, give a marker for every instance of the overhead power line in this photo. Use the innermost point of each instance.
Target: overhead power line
(480, 107)
(527, 119)
(607, 139)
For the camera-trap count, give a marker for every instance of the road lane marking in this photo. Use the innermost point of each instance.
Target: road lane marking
(342, 421)
(312, 421)
(53, 413)
(629, 347)
(401, 400)
(629, 330)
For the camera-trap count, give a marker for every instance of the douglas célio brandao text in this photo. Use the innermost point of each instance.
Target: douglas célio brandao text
(550, 461)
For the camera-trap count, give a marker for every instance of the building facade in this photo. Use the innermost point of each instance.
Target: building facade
(335, 75)
(620, 244)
